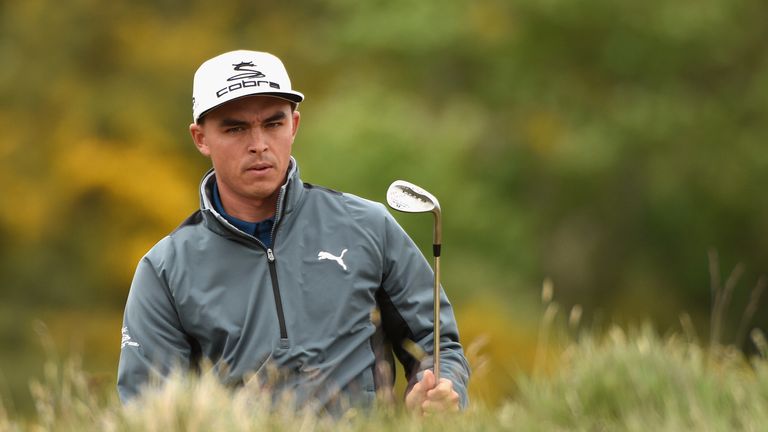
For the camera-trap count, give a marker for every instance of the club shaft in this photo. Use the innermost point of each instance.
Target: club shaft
(436, 321)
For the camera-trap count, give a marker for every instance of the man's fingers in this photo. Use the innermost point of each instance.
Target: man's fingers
(415, 397)
(441, 398)
(418, 392)
(442, 390)
(445, 387)
(432, 406)
(428, 396)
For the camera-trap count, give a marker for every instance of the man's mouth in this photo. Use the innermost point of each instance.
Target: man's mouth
(259, 167)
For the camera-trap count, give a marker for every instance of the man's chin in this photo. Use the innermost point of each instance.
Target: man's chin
(262, 193)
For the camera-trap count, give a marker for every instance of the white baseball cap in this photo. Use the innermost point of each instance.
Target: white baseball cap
(238, 74)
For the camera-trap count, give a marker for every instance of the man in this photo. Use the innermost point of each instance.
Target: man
(274, 274)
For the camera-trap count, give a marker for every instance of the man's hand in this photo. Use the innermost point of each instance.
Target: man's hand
(428, 396)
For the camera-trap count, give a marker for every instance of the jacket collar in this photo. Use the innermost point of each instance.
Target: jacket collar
(289, 197)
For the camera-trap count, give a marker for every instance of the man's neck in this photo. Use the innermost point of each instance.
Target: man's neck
(248, 209)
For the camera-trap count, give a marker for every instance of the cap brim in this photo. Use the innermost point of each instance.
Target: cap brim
(293, 97)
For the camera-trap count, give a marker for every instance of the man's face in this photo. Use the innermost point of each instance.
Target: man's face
(249, 142)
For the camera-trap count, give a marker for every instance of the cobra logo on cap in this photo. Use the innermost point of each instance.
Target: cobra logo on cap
(246, 79)
(249, 73)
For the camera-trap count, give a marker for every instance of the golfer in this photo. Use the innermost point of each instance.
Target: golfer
(278, 281)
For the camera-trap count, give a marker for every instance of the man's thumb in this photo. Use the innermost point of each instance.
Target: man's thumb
(428, 380)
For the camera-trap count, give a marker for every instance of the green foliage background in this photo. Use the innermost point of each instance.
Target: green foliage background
(605, 144)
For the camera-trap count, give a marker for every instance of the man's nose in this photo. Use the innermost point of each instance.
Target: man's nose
(257, 142)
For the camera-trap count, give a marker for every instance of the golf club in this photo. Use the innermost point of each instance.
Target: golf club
(409, 198)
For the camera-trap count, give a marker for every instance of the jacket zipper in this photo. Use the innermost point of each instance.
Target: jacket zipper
(278, 298)
(273, 273)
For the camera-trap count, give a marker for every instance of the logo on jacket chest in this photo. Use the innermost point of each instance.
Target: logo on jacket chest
(323, 255)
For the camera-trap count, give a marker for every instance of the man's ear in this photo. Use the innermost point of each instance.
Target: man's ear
(198, 136)
(295, 118)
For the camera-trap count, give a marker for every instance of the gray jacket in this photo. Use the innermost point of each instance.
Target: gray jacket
(342, 288)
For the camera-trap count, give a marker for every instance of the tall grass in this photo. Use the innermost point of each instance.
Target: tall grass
(638, 381)
(631, 380)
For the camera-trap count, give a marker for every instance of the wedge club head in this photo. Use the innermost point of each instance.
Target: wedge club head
(409, 198)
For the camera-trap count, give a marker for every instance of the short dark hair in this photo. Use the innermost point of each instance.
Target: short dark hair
(201, 119)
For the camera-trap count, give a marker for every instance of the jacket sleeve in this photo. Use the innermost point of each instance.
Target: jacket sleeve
(153, 341)
(407, 311)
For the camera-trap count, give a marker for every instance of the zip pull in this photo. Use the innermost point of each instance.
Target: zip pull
(270, 255)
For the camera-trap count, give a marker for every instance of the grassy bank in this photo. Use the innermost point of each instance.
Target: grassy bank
(623, 380)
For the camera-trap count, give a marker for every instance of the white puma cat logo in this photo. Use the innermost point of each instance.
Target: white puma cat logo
(126, 339)
(322, 255)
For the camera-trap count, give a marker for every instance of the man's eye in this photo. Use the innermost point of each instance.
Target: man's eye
(234, 130)
(273, 125)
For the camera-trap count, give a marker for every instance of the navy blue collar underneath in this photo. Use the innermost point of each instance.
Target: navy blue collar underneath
(261, 230)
